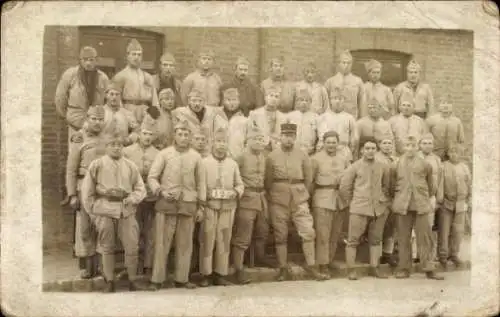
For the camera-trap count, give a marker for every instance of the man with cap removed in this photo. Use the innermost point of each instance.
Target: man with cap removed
(137, 86)
(80, 87)
(373, 125)
(319, 96)
(375, 90)
(177, 179)
(446, 128)
(224, 187)
(328, 209)
(164, 123)
(350, 84)
(406, 123)
(306, 120)
(234, 121)
(143, 153)
(166, 79)
(288, 183)
(414, 88)
(111, 191)
(277, 79)
(203, 79)
(250, 94)
(81, 153)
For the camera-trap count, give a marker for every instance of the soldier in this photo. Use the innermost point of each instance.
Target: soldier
(446, 128)
(415, 89)
(350, 84)
(306, 120)
(204, 79)
(426, 145)
(366, 185)
(234, 121)
(177, 179)
(137, 86)
(143, 153)
(328, 208)
(166, 79)
(224, 187)
(111, 191)
(454, 195)
(164, 123)
(375, 90)
(252, 210)
(319, 96)
(199, 142)
(288, 183)
(406, 123)
(277, 80)
(373, 125)
(80, 155)
(413, 185)
(269, 118)
(80, 87)
(250, 95)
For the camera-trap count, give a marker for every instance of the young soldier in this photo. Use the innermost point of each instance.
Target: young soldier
(375, 90)
(305, 119)
(143, 153)
(277, 80)
(81, 154)
(138, 87)
(446, 128)
(164, 123)
(351, 84)
(413, 184)
(406, 123)
(319, 96)
(111, 191)
(234, 121)
(373, 125)
(177, 179)
(366, 184)
(328, 209)
(223, 189)
(166, 79)
(288, 182)
(454, 194)
(252, 210)
(269, 118)
(414, 88)
(204, 79)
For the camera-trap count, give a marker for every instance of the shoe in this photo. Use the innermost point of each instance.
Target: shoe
(187, 285)
(282, 275)
(403, 274)
(433, 276)
(221, 280)
(388, 258)
(416, 260)
(85, 274)
(458, 263)
(375, 272)
(353, 275)
(148, 271)
(109, 287)
(134, 286)
(205, 281)
(315, 274)
(154, 286)
(323, 269)
(443, 263)
(241, 277)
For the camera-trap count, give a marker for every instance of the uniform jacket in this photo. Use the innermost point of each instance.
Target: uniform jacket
(209, 84)
(353, 87)
(180, 173)
(261, 118)
(237, 132)
(455, 189)
(390, 161)
(136, 85)
(106, 173)
(366, 184)
(287, 92)
(288, 166)
(222, 174)
(383, 95)
(71, 97)
(143, 159)
(404, 126)
(252, 170)
(445, 131)
(422, 94)
(249, 94)
(412, 178)
(378, 129)
(343, 123)
(164, 129)
(175, 85)
(121, 121)
(306, 129)
(320, 102)
(437, 168)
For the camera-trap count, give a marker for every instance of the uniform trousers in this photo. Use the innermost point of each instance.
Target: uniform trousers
(328, 225)
(145, 217)
(451, 232)
(389, 234)
(85, 234)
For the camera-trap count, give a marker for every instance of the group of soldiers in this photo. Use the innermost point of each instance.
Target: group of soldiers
(208, 168)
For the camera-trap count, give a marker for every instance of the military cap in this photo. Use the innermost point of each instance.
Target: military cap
(97, 111)
(371, 64)
(329, 134)
(134, 45)
(445, 99)
(196, 93)
(254, 131)
(242, 60)
(411, 139)
(206, 52)
(183, 125)
(310, 66)
(336, 91)
(373, 101)
(288, 127)
(167, 57)
(113, 86)
(231, 92)
(149, 124)
(201, 131)
(406, 98)
(165, 93)
(455, 147)
(113, 137)
(277, 59)
(345, 53)
(302, 93)
(386, 136)
(87, 52)
(426, 136)
(413, 65)
(273, 89)
(368, 140)
(220, 134)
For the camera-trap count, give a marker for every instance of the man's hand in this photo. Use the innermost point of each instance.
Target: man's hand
(200, 214)
(77, 137)
(74, 202)
(433, 202)
(233, 194)
(128, 201)
(168, 196)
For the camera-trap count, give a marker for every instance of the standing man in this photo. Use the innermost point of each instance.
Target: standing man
(319, 96)
(413, 186)
(166, 78)
(350, 84)
(415, 89)
(80, 155)
(306, 120)
(288, 183)
(234, 121)
(366, 184)
(111, 191)
(80, 87)
(250, 95)
(177, 179)
(373, 125)
(277, 79)
(375, 90)
(164, 123)
(137, 86)
(406, 123)
(204, 79)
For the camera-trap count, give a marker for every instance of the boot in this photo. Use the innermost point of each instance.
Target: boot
(313, 272)
(375, 272)
(388, 258)
(281, 255)
(443, 263)
(260, 254)
(433, 276)
(221, 280)
(109, 287)
(282, 275)
(375, 254)
(154, 286)
(323, 268)
(352, 275)
(404, 273)
(458, 263)
(187, 285)
(88, 268)
(241, 277)
(350, 260)
(205, 280)
(135, 285)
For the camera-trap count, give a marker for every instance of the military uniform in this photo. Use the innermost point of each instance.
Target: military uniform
(377, 128)
(403, 126)
(236, 125)
(306, 125)
(344, 124)
(446, 131)
(286, 87)
(270, 123)
(121, 121)
(379, 92)
(168, 82)
(319, 95)
(164, 123)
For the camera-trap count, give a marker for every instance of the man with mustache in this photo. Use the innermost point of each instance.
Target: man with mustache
(166, 79)
(375, 90)
(319, 96)
(277, 79)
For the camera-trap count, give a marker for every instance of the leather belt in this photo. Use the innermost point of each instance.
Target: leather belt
(111, 198)
(254, 189)
(289, 181)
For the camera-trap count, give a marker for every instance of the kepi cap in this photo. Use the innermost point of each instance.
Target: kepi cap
(288, 128)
